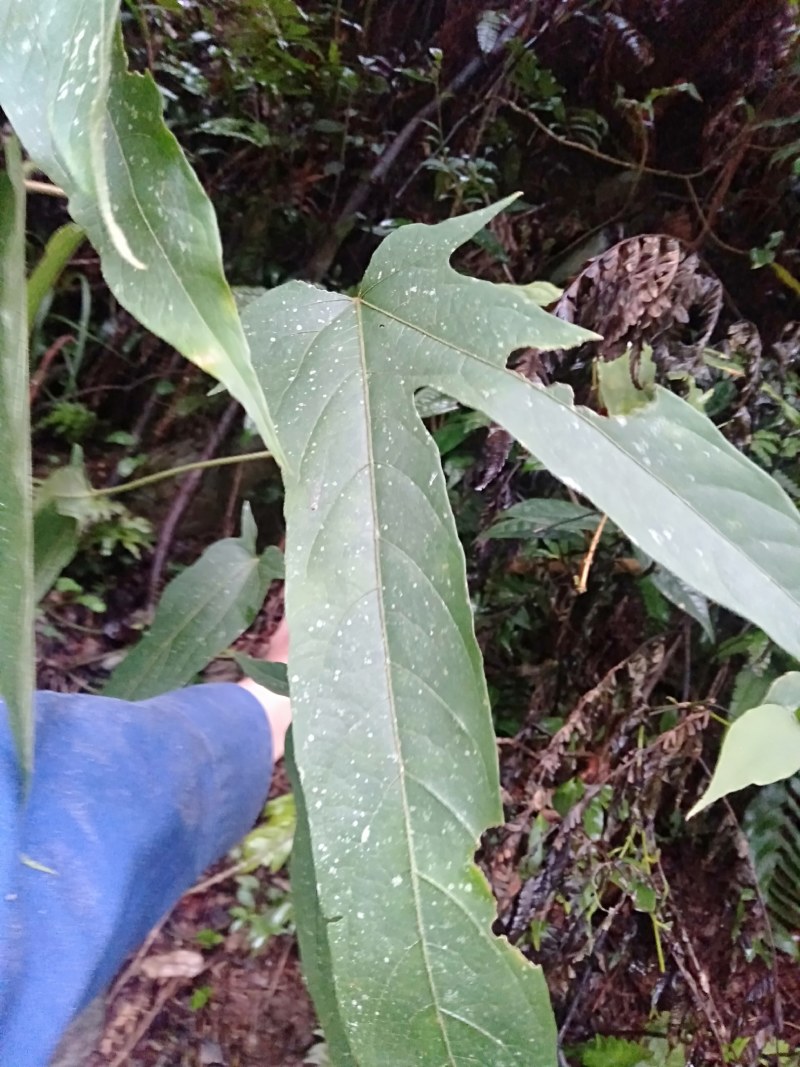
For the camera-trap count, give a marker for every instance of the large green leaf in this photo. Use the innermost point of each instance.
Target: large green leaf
(201, 612)
(663, 473)
(16, 522)
(393, 735)
(392, 731)
(97, 131)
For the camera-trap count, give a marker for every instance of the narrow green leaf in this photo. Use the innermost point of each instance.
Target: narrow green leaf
(761, 747)
(57, 254)
(271, 675)
(201, 612)
(16, 510)
(97, 131)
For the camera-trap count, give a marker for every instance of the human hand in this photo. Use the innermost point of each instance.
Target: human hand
(277, 708)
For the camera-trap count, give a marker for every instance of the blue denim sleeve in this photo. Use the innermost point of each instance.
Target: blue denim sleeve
(129, 803)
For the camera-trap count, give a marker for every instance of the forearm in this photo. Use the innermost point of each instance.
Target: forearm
(129, 803)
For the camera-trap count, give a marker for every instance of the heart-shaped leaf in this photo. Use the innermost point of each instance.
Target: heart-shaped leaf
(96, 129)
(762, 746)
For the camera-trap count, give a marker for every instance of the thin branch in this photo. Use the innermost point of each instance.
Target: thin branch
(173, 472)
(37, 381)
(183, 498)
(604, 157)
(44, 188)
(707, 231)
(322, 260)
(587, 563)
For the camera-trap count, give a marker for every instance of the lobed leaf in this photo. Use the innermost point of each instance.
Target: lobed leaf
(392, 732)
(16, 509)
(393, 738)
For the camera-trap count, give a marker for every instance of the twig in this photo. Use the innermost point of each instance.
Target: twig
(279, 969)
(37, 381)
(215, 879)
(696, 979)
(183, 498)
(229, 518)
(587, 563)
(604, 157)
(707, 231)
(168, 990)
(45, 188)
(778, 1020)
(135, 963)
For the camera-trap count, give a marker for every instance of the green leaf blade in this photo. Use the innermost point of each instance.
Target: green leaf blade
(200, 613)
(57, 254)
(63, 506)
(16, 508)
(542, 517)
(312, 927)
(271, 675)
(393, 739)
(761, 747)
